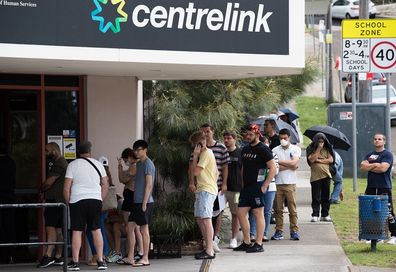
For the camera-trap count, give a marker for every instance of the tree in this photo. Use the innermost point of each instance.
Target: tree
(180, 107)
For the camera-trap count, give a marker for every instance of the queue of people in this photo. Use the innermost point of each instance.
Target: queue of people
(254, 180)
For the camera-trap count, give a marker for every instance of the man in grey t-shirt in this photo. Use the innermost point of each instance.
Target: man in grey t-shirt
(143, 203)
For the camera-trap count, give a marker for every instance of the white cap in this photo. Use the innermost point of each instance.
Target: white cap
(103, 160)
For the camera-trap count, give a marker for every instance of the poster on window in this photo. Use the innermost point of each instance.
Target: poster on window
(58, 139)
(69, 148)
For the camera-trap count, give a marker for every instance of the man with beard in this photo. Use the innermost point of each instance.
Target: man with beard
(52, 187)
(256, 159)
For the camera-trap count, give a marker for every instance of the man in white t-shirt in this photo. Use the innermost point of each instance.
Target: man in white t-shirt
(286, 180)
(85, 186)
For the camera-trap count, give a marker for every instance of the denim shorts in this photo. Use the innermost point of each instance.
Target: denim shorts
(203, 206)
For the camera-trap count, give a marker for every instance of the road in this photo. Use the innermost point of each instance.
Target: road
(337, 48)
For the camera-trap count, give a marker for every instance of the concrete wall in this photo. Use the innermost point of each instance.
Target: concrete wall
(113, 117)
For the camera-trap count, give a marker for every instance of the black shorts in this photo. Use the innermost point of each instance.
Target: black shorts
(85, 212)
(53, 216)
(251, 196)
(128, 200)
(139, 216)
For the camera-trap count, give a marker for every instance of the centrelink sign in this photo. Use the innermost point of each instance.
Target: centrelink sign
(218, 26)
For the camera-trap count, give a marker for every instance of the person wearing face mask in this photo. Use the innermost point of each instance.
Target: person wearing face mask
(52, 188)
(286, 180)
(320, 155)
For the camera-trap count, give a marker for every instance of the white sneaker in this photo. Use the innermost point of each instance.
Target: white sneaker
(233, 243)
(315, 219)
(392, 240)
(326, 219)
(216, 242)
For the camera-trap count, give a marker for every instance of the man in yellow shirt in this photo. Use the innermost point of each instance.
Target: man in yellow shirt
(204, 168)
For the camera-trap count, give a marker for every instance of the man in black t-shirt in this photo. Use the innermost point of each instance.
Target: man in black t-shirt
(234, 182)
(256, 159)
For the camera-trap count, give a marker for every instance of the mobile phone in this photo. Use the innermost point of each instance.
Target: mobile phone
(200, 145)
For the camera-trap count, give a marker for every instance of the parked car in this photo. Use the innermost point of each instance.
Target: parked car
(350, 9)
(378, 79)
(379, 96)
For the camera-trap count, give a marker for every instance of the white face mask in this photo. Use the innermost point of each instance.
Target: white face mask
(284, 142)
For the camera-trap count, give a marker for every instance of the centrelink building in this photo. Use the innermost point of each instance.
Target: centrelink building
(73, 70)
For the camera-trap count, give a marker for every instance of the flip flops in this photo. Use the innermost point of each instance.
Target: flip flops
(124, 261)
(138, 264)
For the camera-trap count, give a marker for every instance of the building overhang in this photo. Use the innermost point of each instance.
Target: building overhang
(279, 50)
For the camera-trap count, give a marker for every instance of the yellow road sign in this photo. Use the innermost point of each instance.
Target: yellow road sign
(382, 28)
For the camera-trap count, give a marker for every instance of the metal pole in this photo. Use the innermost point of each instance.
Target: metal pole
(330, 56)
(354, 138)
(65, 251)
(364, 95)
(388, 133)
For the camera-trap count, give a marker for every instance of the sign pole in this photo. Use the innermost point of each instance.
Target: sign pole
(388, 131)
(354, 138)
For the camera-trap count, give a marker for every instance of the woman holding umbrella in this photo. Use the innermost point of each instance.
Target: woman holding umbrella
(320, 156)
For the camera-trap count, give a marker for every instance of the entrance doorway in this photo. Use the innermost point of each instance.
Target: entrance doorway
(33, 110)
(19, 118)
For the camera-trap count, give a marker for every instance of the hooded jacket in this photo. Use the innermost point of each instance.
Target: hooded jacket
(315, 141)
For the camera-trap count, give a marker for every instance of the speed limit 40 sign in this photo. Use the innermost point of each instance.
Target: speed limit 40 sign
(383, 55)
(369, 46)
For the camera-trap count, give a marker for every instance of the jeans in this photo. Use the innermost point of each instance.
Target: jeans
(103, 217)
(268, 202)
(335, 195)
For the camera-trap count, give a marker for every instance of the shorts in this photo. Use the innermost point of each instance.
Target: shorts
(203, 206)
(252, 196)
(53, 216)
(128, 200)
(139, 216)
(233, 200)
(85, 212)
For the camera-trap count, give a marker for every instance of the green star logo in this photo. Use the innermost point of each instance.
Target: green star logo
(104, 26)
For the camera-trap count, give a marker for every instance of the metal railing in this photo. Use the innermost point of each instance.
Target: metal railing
(42, 205)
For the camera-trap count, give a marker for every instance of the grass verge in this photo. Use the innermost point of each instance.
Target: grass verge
(312, 111)
(346, 222)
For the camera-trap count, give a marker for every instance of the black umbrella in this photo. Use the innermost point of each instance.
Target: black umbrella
(294, 138)
(292, 115)
(335, 137)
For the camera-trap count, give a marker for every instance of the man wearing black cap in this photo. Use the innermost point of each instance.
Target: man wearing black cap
(85, 186)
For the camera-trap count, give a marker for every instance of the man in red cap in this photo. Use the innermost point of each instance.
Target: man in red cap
(256, 159)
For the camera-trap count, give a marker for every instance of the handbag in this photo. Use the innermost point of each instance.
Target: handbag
(110, 201)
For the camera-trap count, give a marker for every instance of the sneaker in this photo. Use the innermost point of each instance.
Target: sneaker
(113, 258)
(278, 235)
(294, 236)
(392, 240)
(242, 247)
(233, 243)
(204, 256)
(137, 256)
(45, 262)
(216, 242)
(73, 266)
(326, 218)
(101, 265)
(315, 219)
(265, 238)
(255, 248)
(58, 261)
